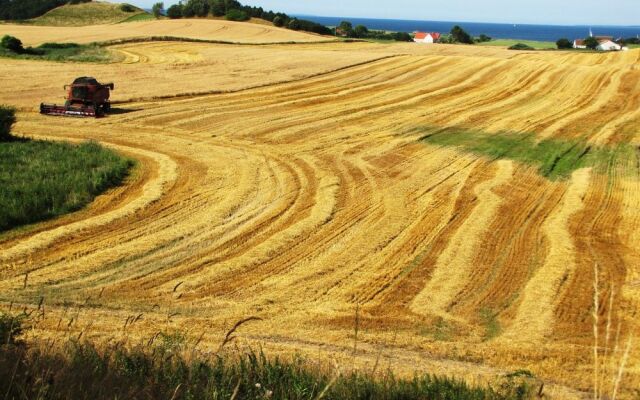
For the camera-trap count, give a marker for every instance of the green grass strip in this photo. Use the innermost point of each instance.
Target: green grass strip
(554, 158)
(41, 180)
(61, 52)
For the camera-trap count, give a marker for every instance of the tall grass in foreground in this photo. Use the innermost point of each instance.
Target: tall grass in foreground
(41, 179)
(167, 368)
(609, 363)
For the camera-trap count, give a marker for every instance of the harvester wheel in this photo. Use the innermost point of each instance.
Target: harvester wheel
(106, 107)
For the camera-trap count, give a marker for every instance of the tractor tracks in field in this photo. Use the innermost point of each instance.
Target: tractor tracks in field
(192, 95)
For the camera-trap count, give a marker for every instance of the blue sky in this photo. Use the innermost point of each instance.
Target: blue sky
(568, 12)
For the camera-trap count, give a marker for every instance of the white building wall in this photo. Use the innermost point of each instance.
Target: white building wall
(608, 46)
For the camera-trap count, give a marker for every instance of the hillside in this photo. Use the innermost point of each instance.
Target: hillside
(205, 29)
(92, 13)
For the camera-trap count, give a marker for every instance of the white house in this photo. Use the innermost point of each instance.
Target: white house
(579, 44)
(608, 45)
(426, 37)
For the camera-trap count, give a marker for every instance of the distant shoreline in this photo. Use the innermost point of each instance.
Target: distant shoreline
(465, 22)
(544, 33)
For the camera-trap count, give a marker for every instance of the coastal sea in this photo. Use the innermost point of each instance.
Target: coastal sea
(496, 31)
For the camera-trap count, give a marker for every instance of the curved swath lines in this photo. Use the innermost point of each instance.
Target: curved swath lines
(365, 111)
(152, 192)
(334, 224)
(570, 95)
(527, 110)
(454, 265)
(164, 216)
(522, 109)
(100, 247)
(446, 201)
(386, 215)
(243, 243)
(588, 101)
(198, 106)
(275, 94)
(215, 236)
(514, 248)
(596, 112)
(346, 243)
(623, 108)
(160, 256)
(507, 95)
(434, 100)
(535, 315)
(596, 230)
(416, 227)
(267, 101)
(216, 116)
(157, 53)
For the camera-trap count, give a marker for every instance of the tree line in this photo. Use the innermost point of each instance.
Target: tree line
(27, 9)
(235, 11)
(347, 29)
(592, 42)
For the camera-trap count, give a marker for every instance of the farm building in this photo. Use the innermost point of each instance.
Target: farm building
(426, 37)
(579, 44)
(606, 43)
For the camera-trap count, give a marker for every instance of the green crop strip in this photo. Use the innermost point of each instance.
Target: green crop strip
(554, 158)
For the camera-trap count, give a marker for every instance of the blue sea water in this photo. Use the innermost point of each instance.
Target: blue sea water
(496, 31)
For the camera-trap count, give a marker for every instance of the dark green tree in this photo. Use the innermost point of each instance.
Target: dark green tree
(25, 9)
(564, 43)
(402, 37)
(128, 8)
(484, 38)
(236, 15)
(196, 8)
(157, 9)
(294, 24)
(278, 21)
(360, 31)
(217, 8)
(7, 119)
(346, 28)
(12, 43)
(175, 11)
(521, 46)
(591, 43)
(459, 35)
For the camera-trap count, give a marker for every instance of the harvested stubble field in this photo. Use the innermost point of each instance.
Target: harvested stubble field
(316, 185)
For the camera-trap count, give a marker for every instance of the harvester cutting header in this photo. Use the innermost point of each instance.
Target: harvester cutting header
(85, 98)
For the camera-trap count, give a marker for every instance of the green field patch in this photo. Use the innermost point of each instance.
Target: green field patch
(61, 52)
(91, 13)
(489, 320)
(509, 42)
(41, 179)
(554, 158)
(139, 18)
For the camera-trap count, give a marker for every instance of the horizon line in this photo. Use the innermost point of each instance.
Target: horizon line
(471, 22)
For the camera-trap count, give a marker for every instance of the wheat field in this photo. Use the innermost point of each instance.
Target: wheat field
(292, 182)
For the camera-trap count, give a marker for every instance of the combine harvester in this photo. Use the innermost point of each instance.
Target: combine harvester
(85, 98)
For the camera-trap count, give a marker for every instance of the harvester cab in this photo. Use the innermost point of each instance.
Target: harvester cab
(86, 97)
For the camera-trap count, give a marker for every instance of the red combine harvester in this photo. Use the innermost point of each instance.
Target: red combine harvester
(85, 98)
